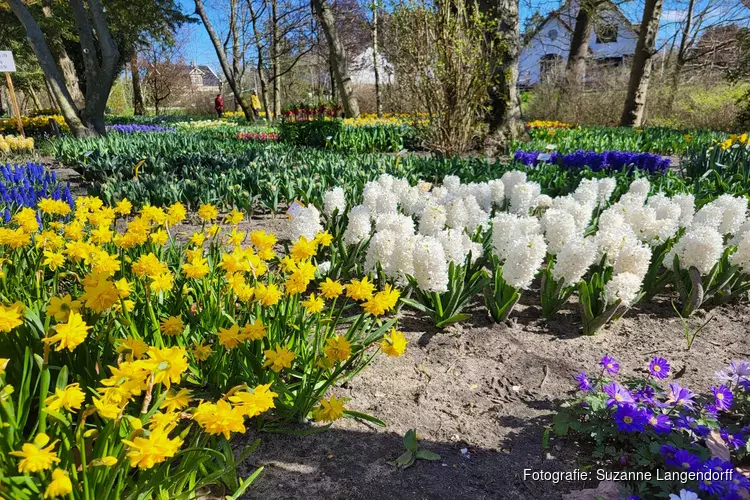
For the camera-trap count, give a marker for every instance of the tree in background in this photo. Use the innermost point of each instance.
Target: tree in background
(633, 113)
(503, 38)
(337, 57)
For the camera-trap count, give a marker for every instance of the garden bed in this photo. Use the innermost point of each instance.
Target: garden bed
(477, 387)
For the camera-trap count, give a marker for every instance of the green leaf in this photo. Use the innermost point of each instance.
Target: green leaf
(364, 416)
(428, 455)
(405, 460)
(410, 440)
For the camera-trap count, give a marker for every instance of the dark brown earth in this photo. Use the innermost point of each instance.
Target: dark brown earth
(478, 396)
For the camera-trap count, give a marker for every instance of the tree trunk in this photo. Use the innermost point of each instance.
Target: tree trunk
(575, 69)
(51, 96)
(138, 107)
(52, 73)
(260, 67)
(504, 117)
(331, 77)
(681, 57)
(64, 63)
(338, 57)
(235, 49)
(221, 54)
(275, 59)
(640, 71)
(375, 68)
(34, 98)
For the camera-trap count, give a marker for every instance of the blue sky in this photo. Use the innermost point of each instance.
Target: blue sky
(200, 49)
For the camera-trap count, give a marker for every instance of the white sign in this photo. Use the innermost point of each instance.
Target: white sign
(7, 64)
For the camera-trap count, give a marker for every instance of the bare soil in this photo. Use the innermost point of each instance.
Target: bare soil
(479, 397)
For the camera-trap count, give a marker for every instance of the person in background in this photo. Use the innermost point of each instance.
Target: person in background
(255, 103)
(219, 105)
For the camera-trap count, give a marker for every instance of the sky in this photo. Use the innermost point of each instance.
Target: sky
(199, 47)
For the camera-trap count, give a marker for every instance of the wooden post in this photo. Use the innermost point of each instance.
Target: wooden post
(14, 103)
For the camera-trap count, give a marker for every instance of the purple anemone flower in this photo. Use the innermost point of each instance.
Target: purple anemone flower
(630, 419)
(723, 397)
(659, 368)
(645, 394)
(610, 365)
(685, 460)
(660, 422)
(734, 373)
(617, 394)
(690, 424)
(680, 396)
(733, 440)
(583, 382)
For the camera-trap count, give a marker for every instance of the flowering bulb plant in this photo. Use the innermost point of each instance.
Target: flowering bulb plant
(129, 348)
(642, 424)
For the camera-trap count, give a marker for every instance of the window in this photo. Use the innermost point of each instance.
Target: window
(552, 34)
(550, 65)
(606, 33)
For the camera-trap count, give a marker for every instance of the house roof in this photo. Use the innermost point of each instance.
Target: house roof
(555, 14)
(210, 79)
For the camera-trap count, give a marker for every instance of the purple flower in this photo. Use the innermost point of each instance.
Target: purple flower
(709, 486)
(685, 460)
(661, 423)
(583, 382)
(711, 411)
(738, 481)
(617, 394)
(690, 424)
(723, 397)
(733, 373)
(668, 451)
(630, 419)
(610, 365)
(645, 394)
(733, 440)
(659, 368)
(680, 396)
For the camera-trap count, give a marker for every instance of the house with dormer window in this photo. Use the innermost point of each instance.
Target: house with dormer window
(543, 57)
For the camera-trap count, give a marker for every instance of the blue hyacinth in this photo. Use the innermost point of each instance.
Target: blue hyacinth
(608, 161)
(135, 128)
(25, 184)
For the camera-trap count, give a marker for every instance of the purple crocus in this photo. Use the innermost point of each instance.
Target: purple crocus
(617, 394)
(610, 365)
(723, 397)
(660, 422)
(680, 396)
(659, 368)
(630, 419)
(583, 382)
(733, 440)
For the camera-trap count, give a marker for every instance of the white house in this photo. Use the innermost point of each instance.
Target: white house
(362, 69)
(612, 42)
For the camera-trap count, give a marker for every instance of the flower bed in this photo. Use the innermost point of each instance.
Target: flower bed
(26, 185)
(258, 136)
(617, 161)
(138, 129)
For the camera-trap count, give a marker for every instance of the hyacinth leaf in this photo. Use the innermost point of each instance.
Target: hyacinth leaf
(453, 319)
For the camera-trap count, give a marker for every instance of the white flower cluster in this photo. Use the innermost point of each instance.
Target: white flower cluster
(304, 222)
(333, 200)
(723, 220)
(421, 230)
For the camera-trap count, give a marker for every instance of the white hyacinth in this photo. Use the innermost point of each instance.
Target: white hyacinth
(559, 227)
(370, 195)
(306, 222)
(734, 211)
(508, 228)
(543, 201)
(456, 214)
(587, 192)
(453, 245)
(433, 219)
(333, 200)
(741, 257)
(510, 179)
(380, 250)
(359, 227)
(686, 202)
(640, 187)
(524, 261)
(606, 187)
(701, 247)
(523, 197)
(498, 192)
(633, 257)
(475, 216)
(623, 286)
(574, 259)
(430, 265)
